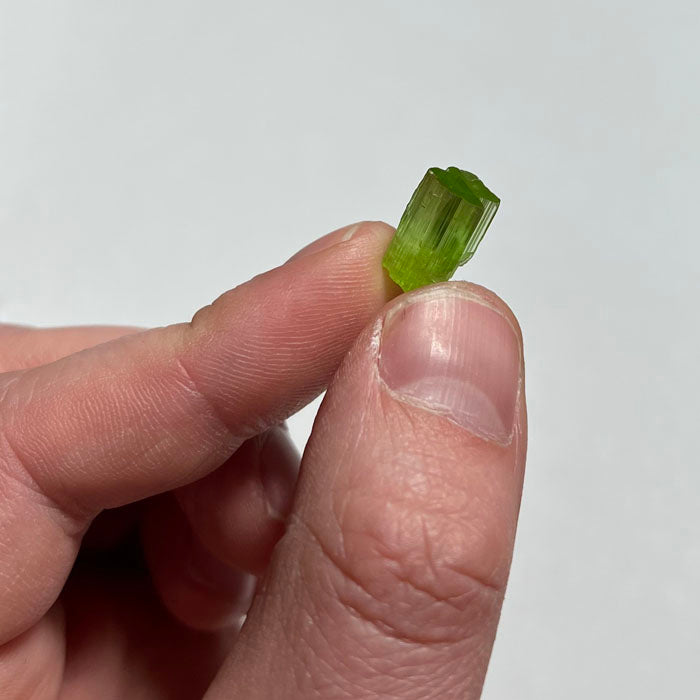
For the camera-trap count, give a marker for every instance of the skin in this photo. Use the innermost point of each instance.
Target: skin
(146, 478)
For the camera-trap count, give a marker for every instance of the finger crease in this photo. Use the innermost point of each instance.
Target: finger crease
(72, 521)
(191, 385)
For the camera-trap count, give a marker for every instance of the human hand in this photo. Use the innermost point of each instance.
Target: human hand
(144, 482)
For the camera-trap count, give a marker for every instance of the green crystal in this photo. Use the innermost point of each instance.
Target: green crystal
(440, 229)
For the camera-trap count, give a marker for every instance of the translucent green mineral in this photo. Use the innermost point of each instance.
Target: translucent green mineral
(440, 229)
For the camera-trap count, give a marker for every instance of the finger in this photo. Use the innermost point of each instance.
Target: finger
(199, 589)
(152, 411)
(119, 642)
(200, 555)
(147, 413)
(22, 347)
(239, 510)
(390, 578)
(337, 236)
(202, 549)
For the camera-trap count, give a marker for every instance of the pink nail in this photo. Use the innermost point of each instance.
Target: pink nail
(452, 354)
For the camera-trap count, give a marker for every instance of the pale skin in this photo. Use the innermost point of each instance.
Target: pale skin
(149, 490)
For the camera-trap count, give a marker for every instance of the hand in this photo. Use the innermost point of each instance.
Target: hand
(145, 478)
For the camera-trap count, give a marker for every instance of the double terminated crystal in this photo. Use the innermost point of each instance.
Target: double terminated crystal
(441, 228)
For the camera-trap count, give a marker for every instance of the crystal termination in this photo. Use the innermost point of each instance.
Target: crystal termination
(440, 229)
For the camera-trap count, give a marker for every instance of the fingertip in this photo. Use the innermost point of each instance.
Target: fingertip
(492, 299)
(339, 235)
(194, 585)
(239, 510)
(344, 234)
(468, 290)
(400, 541)
(371, 239)
(452, 349)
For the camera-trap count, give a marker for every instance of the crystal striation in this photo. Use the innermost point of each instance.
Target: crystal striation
(440, 229)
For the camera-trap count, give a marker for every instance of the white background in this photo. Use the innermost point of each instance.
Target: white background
(154, 154)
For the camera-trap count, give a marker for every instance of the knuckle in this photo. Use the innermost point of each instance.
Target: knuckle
(18, 471)
(411, 571)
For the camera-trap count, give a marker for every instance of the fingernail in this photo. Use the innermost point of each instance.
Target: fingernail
(207, 571)
(453, 354)
(330, 239)
(279, 460)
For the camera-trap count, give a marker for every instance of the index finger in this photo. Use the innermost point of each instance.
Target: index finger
(22, 347)
(149, 412)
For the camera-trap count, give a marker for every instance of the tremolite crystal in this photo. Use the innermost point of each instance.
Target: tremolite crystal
(440, 229)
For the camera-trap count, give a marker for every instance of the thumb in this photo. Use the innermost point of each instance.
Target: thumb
(390, 579)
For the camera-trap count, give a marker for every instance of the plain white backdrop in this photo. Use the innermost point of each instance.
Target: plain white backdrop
(154, 154)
